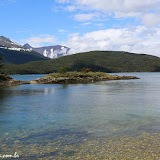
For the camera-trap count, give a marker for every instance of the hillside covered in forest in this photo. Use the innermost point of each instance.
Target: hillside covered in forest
(20, 57)
(105, 61)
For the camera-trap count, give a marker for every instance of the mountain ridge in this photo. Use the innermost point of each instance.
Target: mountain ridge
(9, 44)
(14, 53)
(104, 61)
(52, 52)
(20, 57)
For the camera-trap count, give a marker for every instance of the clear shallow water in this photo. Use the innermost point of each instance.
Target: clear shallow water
(71, 114)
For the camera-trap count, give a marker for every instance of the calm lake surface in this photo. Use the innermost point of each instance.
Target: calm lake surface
(40, 121)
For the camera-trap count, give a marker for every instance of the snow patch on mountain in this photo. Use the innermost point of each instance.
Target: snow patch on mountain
(20, 49)
(51, 51)
(6, 43)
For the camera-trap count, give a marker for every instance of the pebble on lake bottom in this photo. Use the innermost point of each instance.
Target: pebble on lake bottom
(144, 146)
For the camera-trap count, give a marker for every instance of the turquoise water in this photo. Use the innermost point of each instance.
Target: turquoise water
(49, 112)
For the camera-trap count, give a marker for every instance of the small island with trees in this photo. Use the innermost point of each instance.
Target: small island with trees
(85, 76)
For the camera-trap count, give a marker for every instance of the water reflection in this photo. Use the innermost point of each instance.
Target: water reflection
(28, 90)
(2, 98)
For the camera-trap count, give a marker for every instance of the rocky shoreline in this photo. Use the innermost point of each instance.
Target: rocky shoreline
(6, 80)
(13, 82)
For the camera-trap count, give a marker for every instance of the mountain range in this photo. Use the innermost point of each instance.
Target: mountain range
(50, 51)
(6, 43)
(19, 59)
(46, 51)
(14, 53)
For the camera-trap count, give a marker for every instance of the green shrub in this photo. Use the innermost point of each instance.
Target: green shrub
(4, 77)
(75, 74)
(63, 70)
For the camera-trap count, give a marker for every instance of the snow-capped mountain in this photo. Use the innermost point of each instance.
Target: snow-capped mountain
(47, 51)
(50, 51)
(6, 43)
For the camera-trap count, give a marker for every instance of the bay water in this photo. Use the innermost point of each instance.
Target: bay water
(72, 114)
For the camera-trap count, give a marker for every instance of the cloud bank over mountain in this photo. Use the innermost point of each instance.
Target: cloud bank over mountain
(84, 25)
(142, 35)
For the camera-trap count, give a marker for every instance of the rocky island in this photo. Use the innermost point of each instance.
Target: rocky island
(78, 77)
(66, 78)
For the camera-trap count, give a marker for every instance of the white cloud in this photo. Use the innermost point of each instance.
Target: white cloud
(138, 40)
(40, 40)
(86, 24)
(120, 5)
(63, 1)
(119, 8)
(129, 14)
(71, 8)
(144, 38)
(98, 25)
(151, 19)
(61, 31)
(86, 17)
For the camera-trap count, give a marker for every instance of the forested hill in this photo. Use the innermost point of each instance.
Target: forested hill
(20, 57)
(106, 61)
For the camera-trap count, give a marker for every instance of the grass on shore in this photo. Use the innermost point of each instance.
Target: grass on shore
(75, 74)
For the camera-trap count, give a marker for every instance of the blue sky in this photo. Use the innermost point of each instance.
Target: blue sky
(84, 25)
